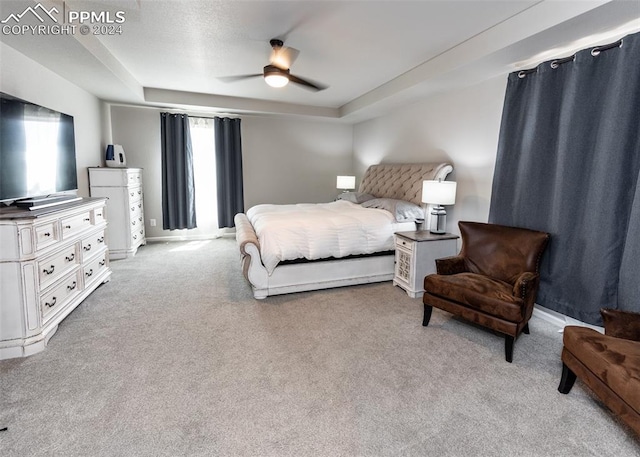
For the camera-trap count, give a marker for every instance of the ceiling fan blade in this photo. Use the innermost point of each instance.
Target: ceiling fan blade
(306, 83)
(283, 57)
(231, 79)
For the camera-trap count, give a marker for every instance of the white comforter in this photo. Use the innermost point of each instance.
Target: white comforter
(321, 230)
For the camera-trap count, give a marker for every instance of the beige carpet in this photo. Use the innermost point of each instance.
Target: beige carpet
(174, 357)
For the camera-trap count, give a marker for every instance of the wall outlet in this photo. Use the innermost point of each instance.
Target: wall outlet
(152, 222)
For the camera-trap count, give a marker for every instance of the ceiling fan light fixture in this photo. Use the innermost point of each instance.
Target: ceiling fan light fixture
(276, 77)
(276, 80)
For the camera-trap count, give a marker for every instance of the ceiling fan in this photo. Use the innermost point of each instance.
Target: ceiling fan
(277, 73)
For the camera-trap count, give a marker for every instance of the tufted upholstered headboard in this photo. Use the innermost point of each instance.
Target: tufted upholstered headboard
(402, 181)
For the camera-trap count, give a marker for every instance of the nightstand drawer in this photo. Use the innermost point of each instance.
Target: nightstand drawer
(405, 245)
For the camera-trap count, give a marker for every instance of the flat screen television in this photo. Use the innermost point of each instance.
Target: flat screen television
(37, 151)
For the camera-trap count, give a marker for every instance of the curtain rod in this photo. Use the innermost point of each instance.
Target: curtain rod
(203, 117)
(557, 62)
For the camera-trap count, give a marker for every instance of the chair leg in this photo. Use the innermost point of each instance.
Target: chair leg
(567, 380)
(427, 315)
(525, 330)
(508, 347)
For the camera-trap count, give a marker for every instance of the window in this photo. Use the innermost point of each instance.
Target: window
(204, 174)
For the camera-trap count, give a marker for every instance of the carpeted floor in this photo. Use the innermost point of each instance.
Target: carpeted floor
(174, 357)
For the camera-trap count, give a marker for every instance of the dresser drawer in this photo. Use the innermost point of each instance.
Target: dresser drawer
(135, 194)
(137, 236)
(134, 178)
(46, 235)
(57, 265)
(92, 244)
(98, 216)
(92, 270)
(136, 221)
(135, 208)
(59, 295)
(74, 224)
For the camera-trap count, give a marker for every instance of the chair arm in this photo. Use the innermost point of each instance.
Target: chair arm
(621, 324)
(526, 285)
(450, 265)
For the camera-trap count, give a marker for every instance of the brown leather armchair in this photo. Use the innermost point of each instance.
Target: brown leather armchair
(493, 281)
(609, 364)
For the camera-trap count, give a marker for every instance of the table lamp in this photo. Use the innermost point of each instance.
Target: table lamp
(438, 193)
(346, 183)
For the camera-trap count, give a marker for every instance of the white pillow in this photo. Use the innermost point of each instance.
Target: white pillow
(355, 197)
(403, 211)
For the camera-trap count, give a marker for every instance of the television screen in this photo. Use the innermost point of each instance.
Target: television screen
(37, 150)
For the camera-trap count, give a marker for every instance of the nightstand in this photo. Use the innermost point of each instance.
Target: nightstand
(416, 254)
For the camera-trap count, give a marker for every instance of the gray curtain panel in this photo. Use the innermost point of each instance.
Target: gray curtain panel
(178, 188)
(228, 170)
(568, 163)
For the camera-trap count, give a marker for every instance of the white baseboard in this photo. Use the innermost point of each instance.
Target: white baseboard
(224, 233)
(560, 320)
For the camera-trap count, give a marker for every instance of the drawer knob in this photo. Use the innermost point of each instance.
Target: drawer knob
(46, 234)
(102, 263)
(72, 286)
(89, 273)
(133, 222)
(67, 226)
(86, 219)
(50, 270)
(87, 247)
(52, 304)
(101, 239)
(99, 214)
(69, 258)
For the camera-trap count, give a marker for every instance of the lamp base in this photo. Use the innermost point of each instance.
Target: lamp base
(438, 220)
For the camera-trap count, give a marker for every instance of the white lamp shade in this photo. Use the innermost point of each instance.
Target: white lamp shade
(439, 192)
(346, 182)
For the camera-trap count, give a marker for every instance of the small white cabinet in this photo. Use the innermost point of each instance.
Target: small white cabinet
(416, 254)
(125, 206)
(50, 260)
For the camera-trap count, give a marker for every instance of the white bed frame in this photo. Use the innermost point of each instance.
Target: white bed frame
(400, 181)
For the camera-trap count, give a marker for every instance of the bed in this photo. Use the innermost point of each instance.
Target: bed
(346, 262)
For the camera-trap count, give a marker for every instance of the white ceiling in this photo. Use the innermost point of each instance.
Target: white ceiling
(372, 54)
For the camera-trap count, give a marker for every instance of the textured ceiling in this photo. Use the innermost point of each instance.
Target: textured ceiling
(369, 53)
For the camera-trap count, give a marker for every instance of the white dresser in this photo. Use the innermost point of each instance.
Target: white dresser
(50, 260)
(123, 189)
(416, 254)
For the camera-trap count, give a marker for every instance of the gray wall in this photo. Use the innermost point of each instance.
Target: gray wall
(460, 126)
(27, 79)
(285, 160)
